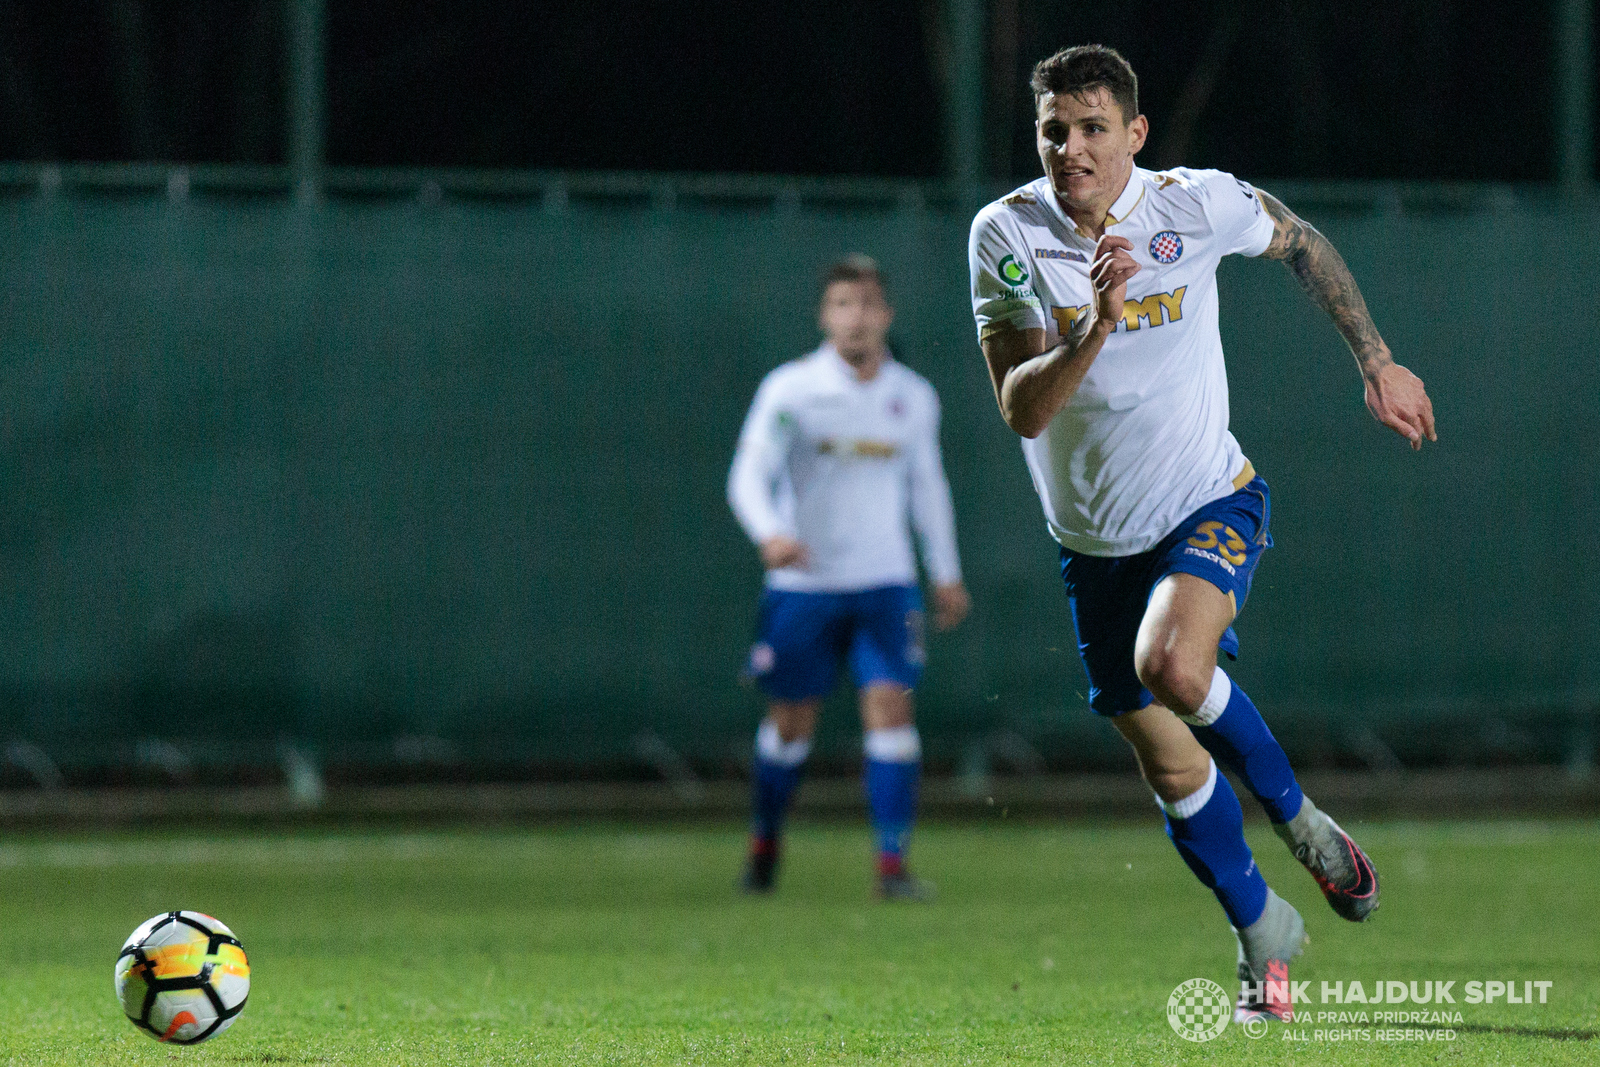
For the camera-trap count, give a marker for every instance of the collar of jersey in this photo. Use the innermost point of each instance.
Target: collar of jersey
(1132, 193)
(847, 373)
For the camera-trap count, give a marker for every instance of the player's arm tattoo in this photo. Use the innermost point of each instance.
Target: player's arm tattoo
(1322, 273)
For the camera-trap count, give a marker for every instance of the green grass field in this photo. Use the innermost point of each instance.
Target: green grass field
(604, 944)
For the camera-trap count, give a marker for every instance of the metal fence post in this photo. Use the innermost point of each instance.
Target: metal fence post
(1574, 29)
(964, 110)
(307, 51)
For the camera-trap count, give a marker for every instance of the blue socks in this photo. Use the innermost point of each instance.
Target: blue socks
(1208, 829)
(1234, 730)
(891, 773)
(778, 767)
(892, 769)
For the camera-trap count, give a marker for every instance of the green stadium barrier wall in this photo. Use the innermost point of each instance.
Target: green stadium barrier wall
(404, 482)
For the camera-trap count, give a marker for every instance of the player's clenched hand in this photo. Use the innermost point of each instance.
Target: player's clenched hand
(1112, 268)
(780, 551)
(1397, 399)
(950, 605)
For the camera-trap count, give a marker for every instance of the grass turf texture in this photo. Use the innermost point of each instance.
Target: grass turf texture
(598, 945)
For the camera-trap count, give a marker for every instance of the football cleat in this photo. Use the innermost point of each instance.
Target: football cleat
(1265, 948)
(903, 885)
(760, 868)
(1347, 877)
(1264, 1000)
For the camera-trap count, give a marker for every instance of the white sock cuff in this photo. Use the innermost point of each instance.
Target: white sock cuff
(897, 744)
(1185, 808)
(1215, 703)
(771, 746)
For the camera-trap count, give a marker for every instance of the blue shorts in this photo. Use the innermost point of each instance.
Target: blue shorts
(1221, 542)
(803, 637)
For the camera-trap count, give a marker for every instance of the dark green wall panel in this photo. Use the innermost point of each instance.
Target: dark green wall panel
(362, 472)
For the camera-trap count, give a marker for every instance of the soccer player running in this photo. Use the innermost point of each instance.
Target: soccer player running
(840, 447)
(1094, 290)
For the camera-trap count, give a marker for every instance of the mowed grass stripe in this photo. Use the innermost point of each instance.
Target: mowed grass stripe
(600, 944)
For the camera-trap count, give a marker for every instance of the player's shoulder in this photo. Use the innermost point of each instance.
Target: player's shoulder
(1024, 204)
(908, 379)
(798, 375)
(1197, 185)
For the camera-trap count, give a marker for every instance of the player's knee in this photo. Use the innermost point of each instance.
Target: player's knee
(1176, 683)
(886, 707)
(793, 720)
(891, 717)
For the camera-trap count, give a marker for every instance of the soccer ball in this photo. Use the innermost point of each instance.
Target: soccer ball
(182, 977)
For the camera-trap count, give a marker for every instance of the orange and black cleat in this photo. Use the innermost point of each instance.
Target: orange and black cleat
(1347, 877)
(1265, 948)
(1268, 999)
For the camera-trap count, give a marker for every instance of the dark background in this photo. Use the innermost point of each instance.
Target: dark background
(424, 473)
(1449, 89)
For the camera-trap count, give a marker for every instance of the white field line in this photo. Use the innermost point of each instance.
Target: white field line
(1470, 832)
(631, 846)
(269, 850)
(345, 848)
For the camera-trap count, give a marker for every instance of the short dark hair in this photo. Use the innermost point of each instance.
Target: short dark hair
(853, 268)
(1084, 67)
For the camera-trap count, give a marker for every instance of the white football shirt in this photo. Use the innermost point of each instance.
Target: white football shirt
(840, 464)
(1144, 441)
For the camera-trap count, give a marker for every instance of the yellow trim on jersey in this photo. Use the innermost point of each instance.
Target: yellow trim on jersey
(1245, 477)
(1112, 220)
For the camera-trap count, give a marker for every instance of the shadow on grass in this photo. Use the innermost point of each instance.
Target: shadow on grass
(1529, 1031)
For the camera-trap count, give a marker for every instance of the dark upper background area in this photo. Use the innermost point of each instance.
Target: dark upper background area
(1452, 89)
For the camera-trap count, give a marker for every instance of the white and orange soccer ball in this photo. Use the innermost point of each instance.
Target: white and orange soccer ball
(182, 977)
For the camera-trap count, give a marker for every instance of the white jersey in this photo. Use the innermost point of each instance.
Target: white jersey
(1144, 441)
(837, 464)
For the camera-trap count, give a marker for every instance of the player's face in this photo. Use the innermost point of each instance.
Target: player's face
(1087, 147)
(855, 317)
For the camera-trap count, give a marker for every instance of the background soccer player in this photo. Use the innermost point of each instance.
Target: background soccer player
(840, 447)
(1094, 290)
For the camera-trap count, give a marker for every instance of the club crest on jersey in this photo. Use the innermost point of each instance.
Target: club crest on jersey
(1166, 247)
